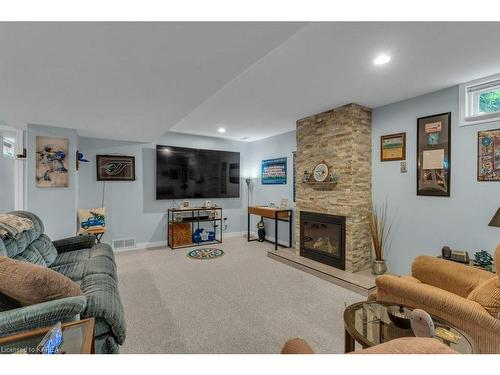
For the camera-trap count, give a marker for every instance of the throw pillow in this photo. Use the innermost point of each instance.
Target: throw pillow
(487, 294)
(29, 284)
(91, 220)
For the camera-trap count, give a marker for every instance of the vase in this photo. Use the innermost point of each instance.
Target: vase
(379, 267)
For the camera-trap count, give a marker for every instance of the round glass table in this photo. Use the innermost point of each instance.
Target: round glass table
(368, 324)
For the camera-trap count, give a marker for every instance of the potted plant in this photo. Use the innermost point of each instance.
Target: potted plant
(379, 230)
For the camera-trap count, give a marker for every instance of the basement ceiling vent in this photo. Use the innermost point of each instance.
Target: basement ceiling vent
(124, 243)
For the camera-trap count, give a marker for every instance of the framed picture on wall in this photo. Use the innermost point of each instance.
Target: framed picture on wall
(115, 168)
(433, 155)
(488, 155)
(52, 162)
(273, 171)
(393, 147)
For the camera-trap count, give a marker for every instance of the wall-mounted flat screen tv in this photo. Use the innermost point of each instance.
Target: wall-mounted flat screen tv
(183, 173)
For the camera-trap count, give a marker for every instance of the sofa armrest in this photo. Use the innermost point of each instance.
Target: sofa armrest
(454, 277)
(74, 243)
(455, 309)
(41, 315)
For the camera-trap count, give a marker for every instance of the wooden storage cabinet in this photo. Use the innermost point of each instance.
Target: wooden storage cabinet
(179, 234)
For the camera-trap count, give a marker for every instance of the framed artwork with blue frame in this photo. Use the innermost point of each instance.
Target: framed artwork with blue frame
(273, 171)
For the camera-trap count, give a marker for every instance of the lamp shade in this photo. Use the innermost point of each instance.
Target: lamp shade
(495, 221)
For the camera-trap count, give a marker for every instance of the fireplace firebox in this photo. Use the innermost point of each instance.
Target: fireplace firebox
(322, 238)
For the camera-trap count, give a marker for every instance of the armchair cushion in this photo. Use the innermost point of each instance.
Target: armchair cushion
(487, 294)
(74, 243)
(444, 274)
(40, 315)
(30, 284)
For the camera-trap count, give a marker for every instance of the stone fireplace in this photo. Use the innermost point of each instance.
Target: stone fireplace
(342, 138)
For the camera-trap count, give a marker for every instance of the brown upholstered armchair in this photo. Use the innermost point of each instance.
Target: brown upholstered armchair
(465, 296)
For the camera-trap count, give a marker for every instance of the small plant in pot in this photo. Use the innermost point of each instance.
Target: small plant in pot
(379, 230)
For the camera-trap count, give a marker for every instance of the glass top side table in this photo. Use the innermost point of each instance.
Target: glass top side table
(368, 324)
(78, 338)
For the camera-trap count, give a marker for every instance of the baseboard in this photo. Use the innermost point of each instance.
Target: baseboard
(163, 244)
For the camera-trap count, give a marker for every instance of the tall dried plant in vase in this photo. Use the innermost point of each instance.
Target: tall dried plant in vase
(380, 229)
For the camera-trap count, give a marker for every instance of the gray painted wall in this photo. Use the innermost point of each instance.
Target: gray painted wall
(274, 147)
(56, 206)
(132, 208)
(424, 224)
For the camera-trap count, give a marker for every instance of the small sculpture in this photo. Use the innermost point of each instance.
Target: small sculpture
(305, 177)
(261, 231)
(482, 258)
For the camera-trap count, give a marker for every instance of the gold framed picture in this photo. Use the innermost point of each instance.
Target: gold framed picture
(393, 147)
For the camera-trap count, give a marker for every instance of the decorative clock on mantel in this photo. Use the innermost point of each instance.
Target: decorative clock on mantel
(321, 172)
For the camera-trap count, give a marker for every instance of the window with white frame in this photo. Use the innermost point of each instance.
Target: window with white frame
(480, 101)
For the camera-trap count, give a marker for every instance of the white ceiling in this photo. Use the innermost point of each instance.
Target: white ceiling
(129, 81)
(137, 81)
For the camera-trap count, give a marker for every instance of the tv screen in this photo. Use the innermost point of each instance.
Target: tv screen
(183, 173)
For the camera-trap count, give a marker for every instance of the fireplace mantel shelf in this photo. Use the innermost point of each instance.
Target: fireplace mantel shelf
(322, 185)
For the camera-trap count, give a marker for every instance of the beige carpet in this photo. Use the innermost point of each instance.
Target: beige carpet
(242, 302)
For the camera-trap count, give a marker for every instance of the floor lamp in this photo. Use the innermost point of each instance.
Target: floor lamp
(248, 182)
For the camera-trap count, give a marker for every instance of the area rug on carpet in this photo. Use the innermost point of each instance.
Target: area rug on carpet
(206, 253)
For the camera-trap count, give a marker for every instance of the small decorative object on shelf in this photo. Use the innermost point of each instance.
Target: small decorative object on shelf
(334, 178)
(284, 203)
(320, 172)
(261, 231)
(185, 204)
(305, 177)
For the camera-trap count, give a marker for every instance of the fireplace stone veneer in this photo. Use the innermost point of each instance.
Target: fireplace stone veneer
(342, 138)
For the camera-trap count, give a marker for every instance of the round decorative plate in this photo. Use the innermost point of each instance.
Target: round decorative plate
(320, 172)
(205, 253)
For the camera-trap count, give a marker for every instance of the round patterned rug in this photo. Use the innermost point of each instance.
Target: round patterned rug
(205, 253)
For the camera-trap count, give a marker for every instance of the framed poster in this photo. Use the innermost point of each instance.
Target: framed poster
(52, 162)
(273, 171)
(393, 147)
(488, 155)
(115, 168)
(433, 155)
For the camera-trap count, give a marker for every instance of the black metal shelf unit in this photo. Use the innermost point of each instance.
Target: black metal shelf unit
(194, 219)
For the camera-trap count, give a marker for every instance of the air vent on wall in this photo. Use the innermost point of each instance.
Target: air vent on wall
(124, 243)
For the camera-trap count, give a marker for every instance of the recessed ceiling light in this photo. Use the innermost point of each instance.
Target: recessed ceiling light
(382, 59)
(221, 130)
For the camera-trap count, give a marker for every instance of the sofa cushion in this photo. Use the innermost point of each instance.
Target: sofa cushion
(31, 255)
(29, 284)
(78, 270)
(103, 302)
(43, 245)
(99, 250)
(487, 294)
(18, 245)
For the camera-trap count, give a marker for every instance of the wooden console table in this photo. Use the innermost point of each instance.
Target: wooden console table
(275, 214)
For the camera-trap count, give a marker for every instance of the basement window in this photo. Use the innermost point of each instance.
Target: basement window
(480, 101)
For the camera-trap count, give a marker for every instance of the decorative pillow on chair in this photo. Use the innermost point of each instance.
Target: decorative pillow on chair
(487, 294)
(91, 220)
(29, 284)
